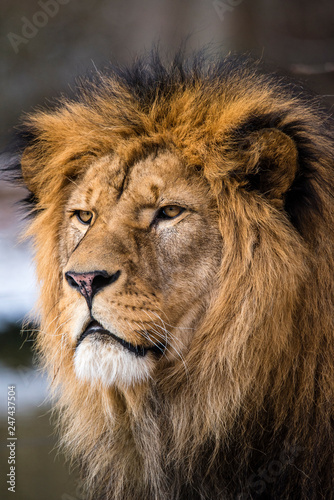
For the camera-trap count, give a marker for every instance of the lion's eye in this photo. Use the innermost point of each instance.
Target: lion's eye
(84, 216)
(169, 212)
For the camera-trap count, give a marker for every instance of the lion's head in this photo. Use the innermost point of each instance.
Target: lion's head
(184, 244)
(140, 256)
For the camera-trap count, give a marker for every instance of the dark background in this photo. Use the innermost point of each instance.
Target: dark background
(42, 51)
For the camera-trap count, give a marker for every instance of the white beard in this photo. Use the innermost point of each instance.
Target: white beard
(110, 364)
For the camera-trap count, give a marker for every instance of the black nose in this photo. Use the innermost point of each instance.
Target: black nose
(88, 284)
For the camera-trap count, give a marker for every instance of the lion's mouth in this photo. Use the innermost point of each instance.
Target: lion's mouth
(95, 328)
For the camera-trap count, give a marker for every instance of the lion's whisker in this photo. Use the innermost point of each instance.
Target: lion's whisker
(173, 336)
(169, 346)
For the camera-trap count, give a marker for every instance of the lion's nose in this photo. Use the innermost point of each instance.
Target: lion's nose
(88, 284)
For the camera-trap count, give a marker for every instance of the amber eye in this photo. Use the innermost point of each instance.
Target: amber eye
(170, 212)
(84, 216)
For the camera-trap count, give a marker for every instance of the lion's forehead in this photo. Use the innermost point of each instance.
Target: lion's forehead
(161, 179)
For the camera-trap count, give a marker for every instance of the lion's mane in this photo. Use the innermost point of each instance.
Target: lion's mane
(252, 415)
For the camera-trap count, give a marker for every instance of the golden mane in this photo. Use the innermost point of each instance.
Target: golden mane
(253, 413)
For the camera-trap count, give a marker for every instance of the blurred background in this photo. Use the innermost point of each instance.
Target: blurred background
(45, 44)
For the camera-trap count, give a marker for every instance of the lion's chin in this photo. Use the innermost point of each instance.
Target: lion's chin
(109, 364)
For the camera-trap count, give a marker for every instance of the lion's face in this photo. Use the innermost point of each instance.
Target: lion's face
(140, 255)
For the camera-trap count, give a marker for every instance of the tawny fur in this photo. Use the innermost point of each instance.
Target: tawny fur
(255, 388)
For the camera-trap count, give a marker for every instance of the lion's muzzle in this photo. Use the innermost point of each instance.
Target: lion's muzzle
(96, 329)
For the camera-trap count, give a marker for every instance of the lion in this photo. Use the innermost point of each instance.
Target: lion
(182, 217)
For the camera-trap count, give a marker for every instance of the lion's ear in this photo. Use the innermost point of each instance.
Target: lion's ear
(269, 159)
